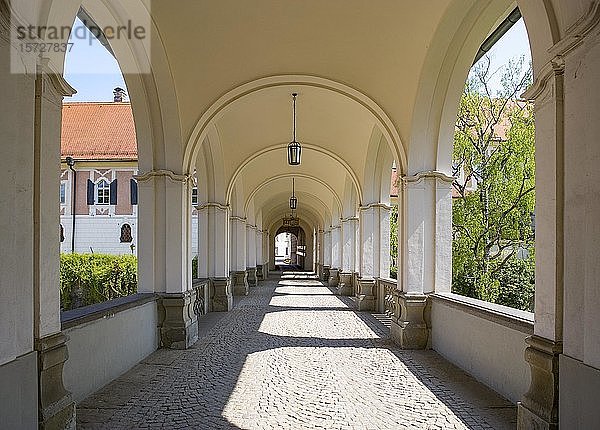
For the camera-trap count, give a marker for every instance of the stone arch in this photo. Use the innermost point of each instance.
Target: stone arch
(147, 75)
(216, 109)
(377, 170)
(446, 67)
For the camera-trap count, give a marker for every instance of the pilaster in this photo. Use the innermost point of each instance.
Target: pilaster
(239, 283)
(538, 408)
(410, 328)
(56, 406)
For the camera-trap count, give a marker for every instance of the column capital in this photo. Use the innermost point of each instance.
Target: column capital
(207, 205)
(426, 174)
(379, 205)
(162, 173)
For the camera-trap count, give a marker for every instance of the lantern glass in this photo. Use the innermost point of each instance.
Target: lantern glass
(294, 153)
(293, 202)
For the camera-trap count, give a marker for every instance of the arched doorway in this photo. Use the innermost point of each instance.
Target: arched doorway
(290, 248)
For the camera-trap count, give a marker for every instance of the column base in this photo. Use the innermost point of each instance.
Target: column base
(409, 329)
(178, 321)
(239, 283)
(56, 406)
(221, 299)
(325, 275)
(319, 271)
(251, 276)
(345, 288)
(539, 407)
(259, 273)
(366, 299)
(334, 278)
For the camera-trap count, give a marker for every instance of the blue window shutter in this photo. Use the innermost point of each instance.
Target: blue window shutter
(91, 189)
(134, 191)
(113, 192)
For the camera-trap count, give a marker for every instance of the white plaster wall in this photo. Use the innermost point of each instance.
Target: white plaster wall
(490, 352)
(103, 234)
(104, 349)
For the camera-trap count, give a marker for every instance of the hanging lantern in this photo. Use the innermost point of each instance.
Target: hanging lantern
(294, 148)
(293, 199)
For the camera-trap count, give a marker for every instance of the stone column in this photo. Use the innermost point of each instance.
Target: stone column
(251, 254)
(164, 264)
(374, 252)
(259, 255)
(426, 248)
(349, 228)
(238, 274)
(539, 407)
(326, 255)
(213, 253)
(56, 406)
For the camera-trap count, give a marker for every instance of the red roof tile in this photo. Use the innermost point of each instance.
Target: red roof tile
(98, 131)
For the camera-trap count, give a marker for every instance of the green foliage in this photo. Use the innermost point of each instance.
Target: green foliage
(491, 218)
(195, 267)
(86, 279)
(394, 242)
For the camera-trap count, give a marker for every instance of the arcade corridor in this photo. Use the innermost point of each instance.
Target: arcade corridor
(292, 355)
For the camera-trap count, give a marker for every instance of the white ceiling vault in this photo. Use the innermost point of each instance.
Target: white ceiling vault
(377, 83)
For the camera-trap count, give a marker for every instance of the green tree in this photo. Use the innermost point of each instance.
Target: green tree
(493, 159)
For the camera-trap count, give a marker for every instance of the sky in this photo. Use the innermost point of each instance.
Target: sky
(94, 72)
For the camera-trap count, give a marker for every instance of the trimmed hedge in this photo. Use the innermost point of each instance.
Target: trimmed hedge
(86, 279)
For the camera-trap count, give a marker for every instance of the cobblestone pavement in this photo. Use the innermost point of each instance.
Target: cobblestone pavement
(291, 355)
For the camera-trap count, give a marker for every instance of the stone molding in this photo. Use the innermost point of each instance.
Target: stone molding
(375, 205)
(56, 406)
(577, 33)
(162, 173)
(178, 321)
(349, 219)
(538, 408)
(427, 174)
(237, 218)
(410, 327)
(212, 205)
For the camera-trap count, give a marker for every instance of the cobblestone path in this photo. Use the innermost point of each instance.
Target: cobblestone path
(291, 355)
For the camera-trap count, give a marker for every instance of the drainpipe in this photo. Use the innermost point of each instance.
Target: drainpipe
(71, 163)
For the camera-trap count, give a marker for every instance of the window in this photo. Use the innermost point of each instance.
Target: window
(126, 236)
(195, 196)
(63, 193)
(62, 233)
(102, 192)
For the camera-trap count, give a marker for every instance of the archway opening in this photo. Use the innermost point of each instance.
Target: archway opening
(290, 248)
(493, 163)
(99, 160)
